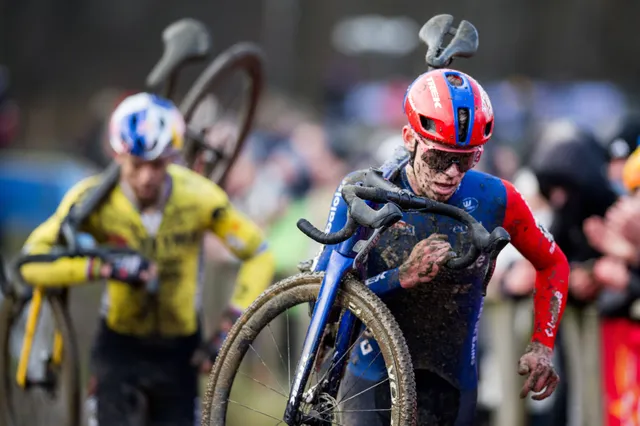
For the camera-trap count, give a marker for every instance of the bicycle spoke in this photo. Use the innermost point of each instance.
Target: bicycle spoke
(358, 394)
(342, 357)
(321, 419)
(363, 410)
(262, 384)
(267, 367)
(257, 411)
(366, 390)
(360, 375)
(277, 347)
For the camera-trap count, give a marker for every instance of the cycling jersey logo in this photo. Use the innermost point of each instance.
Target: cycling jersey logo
(404, 228)
(434, 92)
(556, 303)
(474, 340)
(375, 279)
(469, 204)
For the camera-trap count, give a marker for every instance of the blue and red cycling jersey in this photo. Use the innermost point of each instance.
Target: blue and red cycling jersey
(440, 319)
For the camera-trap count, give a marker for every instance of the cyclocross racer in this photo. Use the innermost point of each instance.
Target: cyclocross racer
(145, 346)
(450, 119)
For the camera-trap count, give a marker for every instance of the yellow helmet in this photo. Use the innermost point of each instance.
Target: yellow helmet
(631, 171)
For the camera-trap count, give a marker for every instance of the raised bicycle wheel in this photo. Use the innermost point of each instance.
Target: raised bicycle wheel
(220, 107)
(250, 385)
(52, 396)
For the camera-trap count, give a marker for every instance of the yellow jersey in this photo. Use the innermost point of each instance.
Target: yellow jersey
(194, 205)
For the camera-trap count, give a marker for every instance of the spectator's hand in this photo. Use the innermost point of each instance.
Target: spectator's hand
(541, 376)
(622, 219)
(582, 284)
(606, 240)
(612, 273)
(425, 261)
(520, 279)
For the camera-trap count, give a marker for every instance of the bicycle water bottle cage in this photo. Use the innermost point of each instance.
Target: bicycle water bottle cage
(184, 40)
(464, 43)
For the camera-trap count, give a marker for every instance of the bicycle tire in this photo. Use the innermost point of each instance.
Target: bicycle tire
(303, 288)
(70, 377)
(241, 56)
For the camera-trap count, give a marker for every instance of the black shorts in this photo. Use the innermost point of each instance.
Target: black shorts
(439, 402)
(154, 378)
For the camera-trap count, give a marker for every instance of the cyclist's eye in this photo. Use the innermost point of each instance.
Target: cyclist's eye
(441, 161)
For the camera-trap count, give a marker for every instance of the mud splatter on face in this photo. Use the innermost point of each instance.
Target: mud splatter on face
(426, 181)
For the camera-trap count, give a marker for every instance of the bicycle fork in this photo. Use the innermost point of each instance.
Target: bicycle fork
(338, 265)
(29, 336)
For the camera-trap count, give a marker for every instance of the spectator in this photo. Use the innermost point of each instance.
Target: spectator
(616, 278)
(619, 149)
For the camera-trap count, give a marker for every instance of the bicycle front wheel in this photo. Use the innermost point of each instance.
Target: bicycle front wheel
(52, 395)
(246, 341)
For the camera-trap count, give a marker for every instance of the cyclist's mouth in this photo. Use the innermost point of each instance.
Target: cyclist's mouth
(444, 188)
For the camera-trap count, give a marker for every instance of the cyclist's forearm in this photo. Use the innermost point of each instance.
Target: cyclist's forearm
(385, 282)
(549, 300)
(254, 277)
(65, 271)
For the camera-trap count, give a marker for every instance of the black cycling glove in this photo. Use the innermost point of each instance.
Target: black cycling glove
(128, 268)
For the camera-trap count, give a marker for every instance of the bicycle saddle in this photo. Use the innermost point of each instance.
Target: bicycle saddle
(184, 40)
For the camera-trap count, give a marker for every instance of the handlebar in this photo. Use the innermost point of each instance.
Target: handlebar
(395, 200)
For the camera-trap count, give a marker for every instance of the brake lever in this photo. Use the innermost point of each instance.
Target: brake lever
(367, 246)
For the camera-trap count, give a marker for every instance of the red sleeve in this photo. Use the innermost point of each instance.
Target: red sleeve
(536, 244)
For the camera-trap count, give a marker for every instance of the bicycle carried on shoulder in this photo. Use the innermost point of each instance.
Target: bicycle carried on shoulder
(345, 311)
(237, 70)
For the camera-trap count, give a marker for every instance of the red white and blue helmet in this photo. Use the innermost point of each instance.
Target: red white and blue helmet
(146, 126)
(449, 107)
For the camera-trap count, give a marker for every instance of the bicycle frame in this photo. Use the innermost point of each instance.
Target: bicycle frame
(29, 335)
(341, 261)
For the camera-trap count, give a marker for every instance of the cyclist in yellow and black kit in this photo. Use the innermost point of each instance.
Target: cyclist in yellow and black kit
(161, 210)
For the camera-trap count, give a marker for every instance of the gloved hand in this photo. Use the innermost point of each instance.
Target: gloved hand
(206, 355)
(131, 268)
(536, 364)
(425, 261)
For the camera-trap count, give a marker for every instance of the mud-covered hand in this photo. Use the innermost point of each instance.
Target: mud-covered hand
(537, 366)
(425, 261)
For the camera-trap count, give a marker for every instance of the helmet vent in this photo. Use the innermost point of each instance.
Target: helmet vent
(463, 124)
(427, 123)
(455, 80)
(488, 128)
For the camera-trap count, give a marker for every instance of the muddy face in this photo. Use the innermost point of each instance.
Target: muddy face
(426, 181)
(436, 173)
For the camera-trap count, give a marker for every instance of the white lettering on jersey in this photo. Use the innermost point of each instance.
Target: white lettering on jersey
(474, 341)
(551, 325)
(376, 278)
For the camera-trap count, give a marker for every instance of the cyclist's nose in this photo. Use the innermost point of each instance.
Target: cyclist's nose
(453, 170)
